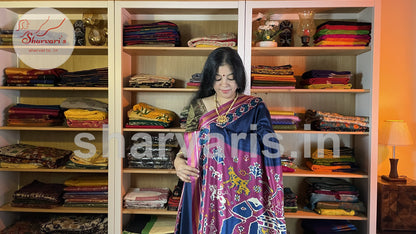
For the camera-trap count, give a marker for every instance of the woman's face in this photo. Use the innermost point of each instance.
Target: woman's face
(225, 85)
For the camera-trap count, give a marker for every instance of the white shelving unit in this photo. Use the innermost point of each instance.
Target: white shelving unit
(362, 100)
(194, 19)
(82, 58)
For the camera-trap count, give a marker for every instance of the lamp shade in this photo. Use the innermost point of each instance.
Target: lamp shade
(395, 132)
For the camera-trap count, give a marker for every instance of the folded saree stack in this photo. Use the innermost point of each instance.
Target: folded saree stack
(151, 198)
(97, 77)
(272, 77)
(34, 115)
(284, 120)
(195, 81)
(151, 81)
(163, 33)
(324, 160)
(157, 155)
(216, 40)
(86, 191)
(327, 121)
(290, 200)
(6, 37)
(328, 226)
(343, 33)
(141, 224)
(30, 156)
(38, 195)
(75, 223)
(15, 76)
(143, 115)
(326, 79)
(97, 161)
(85, 113)
(333, 196)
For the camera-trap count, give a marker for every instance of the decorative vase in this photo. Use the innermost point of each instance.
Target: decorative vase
(306, 28)
(267, 44)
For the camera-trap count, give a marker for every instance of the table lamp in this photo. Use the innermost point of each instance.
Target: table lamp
(395, 133)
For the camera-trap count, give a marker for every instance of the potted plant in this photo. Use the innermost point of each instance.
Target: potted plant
(266, 30)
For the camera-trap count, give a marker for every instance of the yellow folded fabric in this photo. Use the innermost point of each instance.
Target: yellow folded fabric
(20, 165)
(96, 160)
(327, 153)
(322, 211)
(282, 113)
(143, 111)
(83, 114)
(328, 86)
(87, 181)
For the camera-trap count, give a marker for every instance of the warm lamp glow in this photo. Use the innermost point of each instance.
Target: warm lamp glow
(396, 133)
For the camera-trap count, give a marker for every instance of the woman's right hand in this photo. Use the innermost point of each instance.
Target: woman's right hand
(184, 171)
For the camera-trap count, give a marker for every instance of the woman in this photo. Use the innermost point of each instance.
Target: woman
(231, 163)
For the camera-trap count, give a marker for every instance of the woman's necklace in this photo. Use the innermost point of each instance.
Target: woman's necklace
(222, 119)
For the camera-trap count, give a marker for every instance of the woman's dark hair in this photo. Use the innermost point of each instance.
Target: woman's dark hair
(218, 57)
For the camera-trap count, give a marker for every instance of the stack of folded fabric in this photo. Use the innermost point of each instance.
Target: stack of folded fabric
(217, 40)
(86, 191)
(143, 115)
(97, 161)
(290, 200)
(6, 37)
(343, 33)
(333, 196)
(85, 78)
(163, 33)
(32, 77)
(85, 113)
(38, 194)
(146, 198)
(151, 81)
(326, 79)
(288, 163)
(327, 226)
(79, 223)
(34, 115)
(284, 120)
(142, 224)
(30, 156)
(183, 116)
(272, 77)
(324, 160)
(195, 81)
(152, 155)
(175, 197)
(327, 121)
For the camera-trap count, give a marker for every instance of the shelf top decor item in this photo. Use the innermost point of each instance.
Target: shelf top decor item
(267, 30)
(395, 133)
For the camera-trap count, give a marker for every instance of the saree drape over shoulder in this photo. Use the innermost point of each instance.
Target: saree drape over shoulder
(239, 189)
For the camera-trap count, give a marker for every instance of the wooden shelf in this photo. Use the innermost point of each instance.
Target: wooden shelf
(54, 88)
(57, 170)
(168, 51)
(149, 171)
(57, 128)
(150, 211)
(78, 50)
(59, 209)
(304, 214)
(348, 91)
(299, 172)
(167, 90)
(309, 51)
